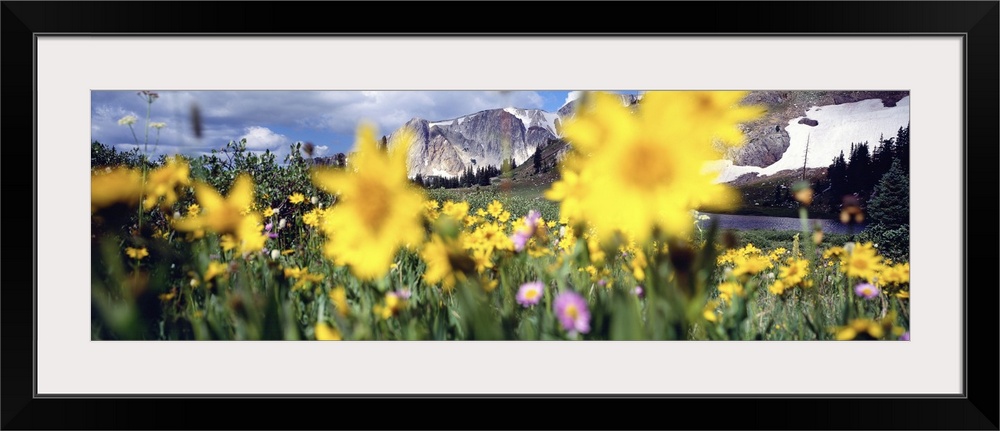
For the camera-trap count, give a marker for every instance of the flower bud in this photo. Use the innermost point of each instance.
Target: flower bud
(803, 192)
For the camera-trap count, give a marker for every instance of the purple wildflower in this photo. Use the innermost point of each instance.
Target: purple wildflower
(530, 293)
(866, 290)
(639, 292)
(524, 233)
(520, 239)
(267, 228)
(571, 310)
(533, 217)
(403, 293)
(905, 336)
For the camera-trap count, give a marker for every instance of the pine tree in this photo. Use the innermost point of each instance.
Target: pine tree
(890, 202)
(903, 146)
(889, 212)
(837, 174)
(484, 176)
(537, 158)
(883, 157)
(859, 170)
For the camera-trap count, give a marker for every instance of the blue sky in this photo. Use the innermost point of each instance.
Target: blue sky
(276, 119)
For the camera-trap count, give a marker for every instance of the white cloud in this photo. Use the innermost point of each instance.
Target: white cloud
(573, 95)
(262, 138)
(327, 117)
(320, 150)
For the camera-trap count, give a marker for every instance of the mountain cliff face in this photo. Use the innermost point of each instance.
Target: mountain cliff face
(449, 147)
(486, 138)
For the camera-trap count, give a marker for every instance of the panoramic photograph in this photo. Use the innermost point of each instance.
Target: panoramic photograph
(758, 215)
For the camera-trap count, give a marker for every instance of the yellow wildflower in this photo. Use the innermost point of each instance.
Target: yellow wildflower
(482, 259)
(251, 234)
(302, 276)
(709, 312)
(895, 274)
(313, 218)
(227, 242)
(648, 170)
(325, 332)
(639, 265)
(455, 210)
(495, 208)
(835, 252)
(569, 191)
(220, 215)
(296, 198)
(136, 253)
(750, 265)
(729, 289)
(794, 272)
(215, 269)
(339, 297)
(446, 263)
(120, 185)
(777, 288)
(375, 214)
(169, 295)
(859, 329)
(163, 182)
(862, 262)
(431, 210)
(393, 304)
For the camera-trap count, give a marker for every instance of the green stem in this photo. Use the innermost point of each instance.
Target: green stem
(145, 142)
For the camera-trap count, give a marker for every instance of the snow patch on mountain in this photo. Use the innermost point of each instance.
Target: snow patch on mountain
(535, 118)
(838, 127)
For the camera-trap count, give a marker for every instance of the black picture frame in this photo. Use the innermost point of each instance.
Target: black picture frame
(977, 22)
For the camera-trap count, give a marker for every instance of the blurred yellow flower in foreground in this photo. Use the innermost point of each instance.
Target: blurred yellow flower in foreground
(859, 329)
(228, 216)
(377, 209)
(636, 171)
(214, 269)
(446, 262)
(136, 253)
(119, 185)
(221, 215)
(325, 332)
(302, 276)
(164, 181)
